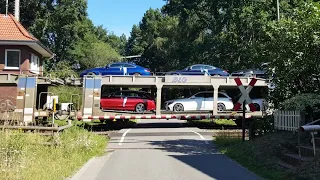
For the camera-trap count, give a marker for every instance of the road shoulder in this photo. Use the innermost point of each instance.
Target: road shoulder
(92, 168)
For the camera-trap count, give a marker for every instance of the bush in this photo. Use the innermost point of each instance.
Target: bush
(23, 156)
(261, 126)
(301, 102)
(309, 103)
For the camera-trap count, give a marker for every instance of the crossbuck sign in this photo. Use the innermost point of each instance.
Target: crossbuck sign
(245, 94)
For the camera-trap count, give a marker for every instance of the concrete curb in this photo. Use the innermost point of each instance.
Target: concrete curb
(91, 169)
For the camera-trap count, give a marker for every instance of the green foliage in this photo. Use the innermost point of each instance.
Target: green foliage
(301, 101)
(65, 92)
(91, 52)
(117, 43)
(154, 38)
(63, 26)
(62, 69)
(23, 156)
(308, 103)
(234, 35)
(261, 126)
(293, 49)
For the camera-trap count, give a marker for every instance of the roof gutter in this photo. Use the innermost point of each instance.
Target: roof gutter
(26, 43)
(45, 48)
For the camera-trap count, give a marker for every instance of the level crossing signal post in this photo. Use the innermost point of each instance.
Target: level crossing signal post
(245, 98)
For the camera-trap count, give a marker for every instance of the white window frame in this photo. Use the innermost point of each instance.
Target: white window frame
(6, 58)
(35, 70)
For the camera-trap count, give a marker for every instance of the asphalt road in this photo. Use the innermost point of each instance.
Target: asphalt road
(185, 154)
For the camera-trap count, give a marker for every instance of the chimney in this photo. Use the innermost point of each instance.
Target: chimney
(17, 9)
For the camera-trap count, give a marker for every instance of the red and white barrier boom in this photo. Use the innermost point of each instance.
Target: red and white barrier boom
(245, 94)
(182, 117)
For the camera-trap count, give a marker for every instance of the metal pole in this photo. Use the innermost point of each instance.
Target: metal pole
(243, 119)
(54, 110)
(278, 10)
(313, 143)
(299, 143)
(7, 7)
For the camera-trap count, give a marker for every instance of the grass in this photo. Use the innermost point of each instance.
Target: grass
(23, 156)
(260, 155)
(209, 122)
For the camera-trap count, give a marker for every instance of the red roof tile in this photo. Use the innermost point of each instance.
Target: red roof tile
(11, 29)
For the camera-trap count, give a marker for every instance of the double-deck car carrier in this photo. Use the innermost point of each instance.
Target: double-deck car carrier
(29, 89)
(92, 94)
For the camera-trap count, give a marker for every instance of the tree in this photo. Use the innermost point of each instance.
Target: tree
(293, 50)
(91, 52)
(154, 39)
(135, 45)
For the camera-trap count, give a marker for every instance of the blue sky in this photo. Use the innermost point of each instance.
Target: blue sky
(120, 15)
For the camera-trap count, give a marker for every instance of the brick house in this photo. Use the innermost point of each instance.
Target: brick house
(20, 53)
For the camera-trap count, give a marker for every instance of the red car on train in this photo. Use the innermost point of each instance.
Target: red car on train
(128, 100)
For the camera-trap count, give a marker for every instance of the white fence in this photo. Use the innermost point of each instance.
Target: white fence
(287, 120)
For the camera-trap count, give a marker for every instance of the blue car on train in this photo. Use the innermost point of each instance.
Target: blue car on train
(200, 69)
(118, 68)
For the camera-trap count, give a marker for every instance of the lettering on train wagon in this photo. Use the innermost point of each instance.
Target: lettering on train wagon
(179, 80)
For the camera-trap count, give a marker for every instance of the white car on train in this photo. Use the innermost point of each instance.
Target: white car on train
(200, 101)
(259, 103)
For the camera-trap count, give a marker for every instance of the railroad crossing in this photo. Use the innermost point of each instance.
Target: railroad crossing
(29, 108)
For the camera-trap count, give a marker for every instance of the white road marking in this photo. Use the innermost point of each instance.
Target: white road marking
(199, 135)
(123, 136)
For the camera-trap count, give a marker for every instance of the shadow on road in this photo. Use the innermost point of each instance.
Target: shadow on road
(205, 158)
(118, 125)
(186, 146)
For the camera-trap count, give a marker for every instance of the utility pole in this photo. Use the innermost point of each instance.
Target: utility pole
(278, 10)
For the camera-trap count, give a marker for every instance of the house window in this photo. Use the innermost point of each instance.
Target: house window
(12, 59)
(34, 64)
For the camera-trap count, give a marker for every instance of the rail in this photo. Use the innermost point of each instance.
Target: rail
(39, 128)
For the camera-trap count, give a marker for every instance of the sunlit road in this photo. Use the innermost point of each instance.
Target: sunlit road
(166, 154)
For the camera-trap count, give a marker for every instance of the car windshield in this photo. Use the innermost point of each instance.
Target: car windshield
(197, 67)
(187, 68)
(209, 67)
(115, 65)
(201, 94)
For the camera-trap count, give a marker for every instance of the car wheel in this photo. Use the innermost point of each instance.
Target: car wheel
(178, 107)
(137, 74)
(221, 107)
(257, 106)
(140, 108)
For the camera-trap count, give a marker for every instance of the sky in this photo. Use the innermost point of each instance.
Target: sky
(118, 16)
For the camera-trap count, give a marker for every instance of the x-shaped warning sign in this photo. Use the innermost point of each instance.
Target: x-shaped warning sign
(245, 94)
